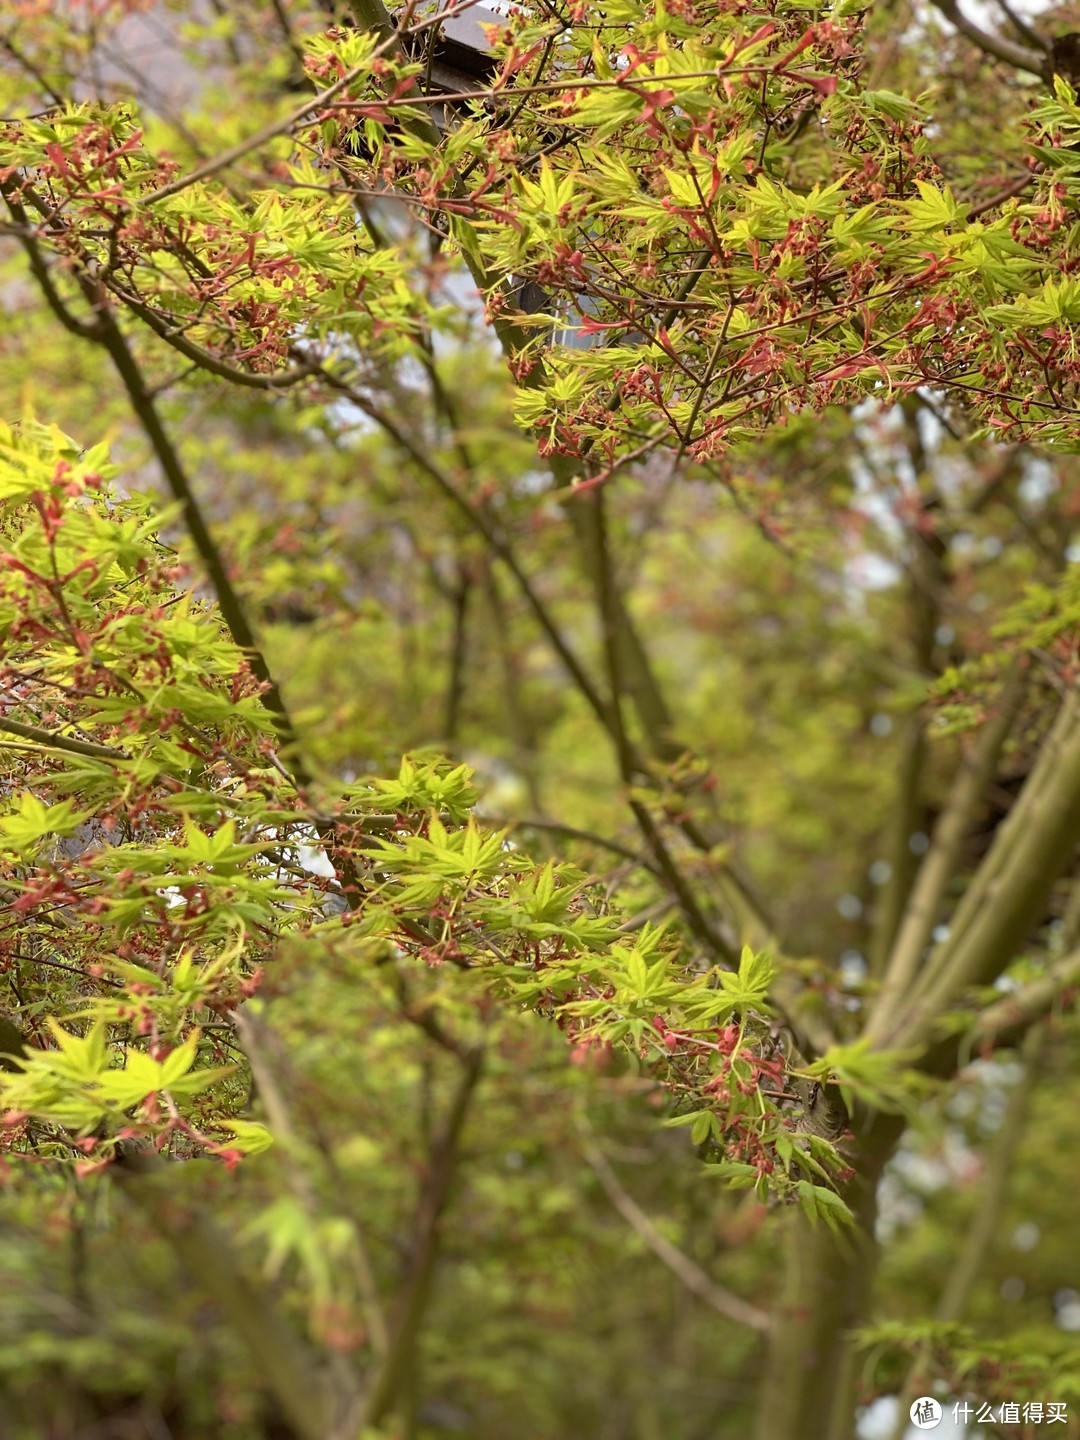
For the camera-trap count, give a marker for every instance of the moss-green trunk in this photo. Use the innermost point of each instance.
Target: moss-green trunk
(809, 1384)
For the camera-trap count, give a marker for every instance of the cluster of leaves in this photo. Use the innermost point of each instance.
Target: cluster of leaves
(154, 847)
(972, 1364)
(644, 171)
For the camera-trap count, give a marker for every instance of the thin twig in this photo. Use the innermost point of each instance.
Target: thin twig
(685, 1270)
(589, 837)
(1016, 187)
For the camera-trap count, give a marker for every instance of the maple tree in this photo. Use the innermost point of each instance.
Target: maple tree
(722, 417)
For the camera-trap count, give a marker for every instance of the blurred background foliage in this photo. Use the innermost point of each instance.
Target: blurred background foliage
(792, 646)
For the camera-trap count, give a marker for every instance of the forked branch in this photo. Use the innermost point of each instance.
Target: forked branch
(1021, 57)
(685, 1270)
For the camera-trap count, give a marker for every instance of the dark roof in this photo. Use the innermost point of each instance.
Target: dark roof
(462, 45)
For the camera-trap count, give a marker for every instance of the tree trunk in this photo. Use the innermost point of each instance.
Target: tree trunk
(809, 1385)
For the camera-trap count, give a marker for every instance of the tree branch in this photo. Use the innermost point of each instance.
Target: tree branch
(286, 1366)
(994, 1184)
(232, 609)
(386, 1387)
(203, 358)
(61, 742)
(455, 680)
(1015, 187)
(261, 137)
(903, 820)
(1009, 891)
(589, 837)
(1023, 29)
(992, 1194)
(1007, 1019)
(85, 329)
(685, 1270)
(483, 525)
(996, 46)
(599, 555)
(939, 864)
